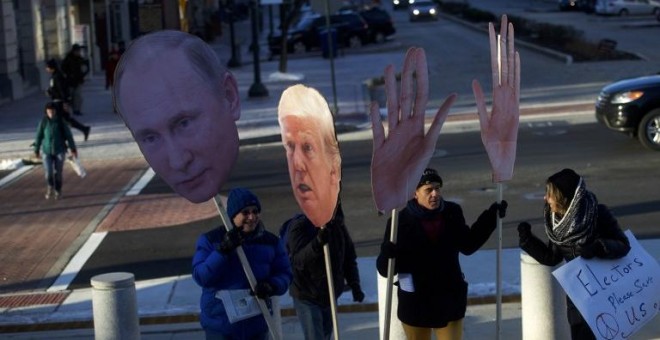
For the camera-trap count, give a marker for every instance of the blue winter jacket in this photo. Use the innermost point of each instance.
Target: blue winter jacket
(215, 271)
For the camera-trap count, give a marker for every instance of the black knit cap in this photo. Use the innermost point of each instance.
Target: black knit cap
(51, 63)
(566, 182)
(429, 176)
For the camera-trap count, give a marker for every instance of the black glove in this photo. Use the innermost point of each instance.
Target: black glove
(263, 290)
(358, 294)
(388, 249)
(593, 249)
(499, 207)
(524, 232)
(232, 239)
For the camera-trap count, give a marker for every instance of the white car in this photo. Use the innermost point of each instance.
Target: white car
(628, 7)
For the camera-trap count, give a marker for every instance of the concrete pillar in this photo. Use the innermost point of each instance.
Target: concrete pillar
(114, 304)
(11, 82)
(543, 302)
(396, 330)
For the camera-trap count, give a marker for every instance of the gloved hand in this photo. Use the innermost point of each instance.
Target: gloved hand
(358, 294)
(499, 207)
(232, 239)
(388, 249)
(593, 249)
(524, 232)
(263, 290)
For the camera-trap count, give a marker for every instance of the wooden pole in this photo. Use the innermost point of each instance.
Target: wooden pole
(331, 290)
(390, 277)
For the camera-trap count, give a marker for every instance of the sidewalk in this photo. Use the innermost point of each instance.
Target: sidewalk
(168, 307)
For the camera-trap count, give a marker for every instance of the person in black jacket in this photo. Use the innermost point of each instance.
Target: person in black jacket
(432, 291)
(75, 68)
(576, 225)
(309, 288)
(58, 91)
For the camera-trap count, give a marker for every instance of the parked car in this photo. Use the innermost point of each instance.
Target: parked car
(304, 35)
(632, 106)
(571, 5)
(423, 10)
(628, 7)
(381, 25)
(399, 4)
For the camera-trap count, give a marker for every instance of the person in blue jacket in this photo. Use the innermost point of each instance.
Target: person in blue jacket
(216, 267)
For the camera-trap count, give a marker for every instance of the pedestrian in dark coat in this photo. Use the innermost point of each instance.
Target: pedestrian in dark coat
(60, 95)
(432, 291)
(75, 68)
(51, 142)
(216, 267)
(576, 225)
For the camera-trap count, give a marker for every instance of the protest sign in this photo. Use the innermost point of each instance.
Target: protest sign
(615, 297)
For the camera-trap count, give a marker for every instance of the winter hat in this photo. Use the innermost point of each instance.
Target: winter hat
(51, 63)
(429, 176)
(240, 198)
(566, 182)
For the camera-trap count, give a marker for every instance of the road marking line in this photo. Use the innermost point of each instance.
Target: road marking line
(141, 183)
(14, 175)
(77, 262)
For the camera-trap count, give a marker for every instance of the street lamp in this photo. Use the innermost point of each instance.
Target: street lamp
(235, 60)
(257, 89)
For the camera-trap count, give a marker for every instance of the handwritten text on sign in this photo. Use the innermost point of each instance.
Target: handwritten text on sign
(615, 297)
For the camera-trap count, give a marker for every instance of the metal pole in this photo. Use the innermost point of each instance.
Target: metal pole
(331, 54)
(498, 282)
(257, 89)
(390, 277)
(331, 290)
(234, 61)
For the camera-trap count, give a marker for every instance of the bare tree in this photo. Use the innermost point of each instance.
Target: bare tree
(290, 13)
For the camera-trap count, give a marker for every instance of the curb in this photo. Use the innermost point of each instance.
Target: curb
(194, 317)
(566, 58)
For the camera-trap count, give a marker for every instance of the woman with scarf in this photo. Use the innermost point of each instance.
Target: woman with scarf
(576, 225)
(432, 291)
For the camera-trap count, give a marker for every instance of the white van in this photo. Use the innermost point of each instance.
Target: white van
(628, 7)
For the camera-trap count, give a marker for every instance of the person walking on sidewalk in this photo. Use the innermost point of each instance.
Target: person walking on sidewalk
(59, 94)
(51, 142)
(576, 225)
(432, 291)
(216, 268)
(75, 68)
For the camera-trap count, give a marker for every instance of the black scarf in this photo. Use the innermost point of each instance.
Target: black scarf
(577, 226)
(423, 213)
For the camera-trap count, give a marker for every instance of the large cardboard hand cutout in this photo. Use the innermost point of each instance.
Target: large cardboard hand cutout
(312, 152)
(499, 128)
(181, 111)
(400, 157)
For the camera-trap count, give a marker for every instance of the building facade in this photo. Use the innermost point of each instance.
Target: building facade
(37, 30)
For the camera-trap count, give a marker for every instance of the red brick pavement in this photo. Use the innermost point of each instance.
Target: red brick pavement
(38, 236)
